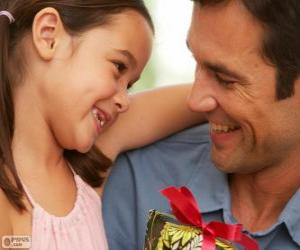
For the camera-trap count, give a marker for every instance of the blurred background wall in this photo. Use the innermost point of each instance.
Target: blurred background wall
(171, 62)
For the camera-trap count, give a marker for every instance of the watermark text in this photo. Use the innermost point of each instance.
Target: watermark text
(16, 242)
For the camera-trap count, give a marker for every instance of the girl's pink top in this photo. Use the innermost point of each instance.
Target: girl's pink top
(81, 229)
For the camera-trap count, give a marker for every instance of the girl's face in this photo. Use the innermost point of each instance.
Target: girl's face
(85, 87)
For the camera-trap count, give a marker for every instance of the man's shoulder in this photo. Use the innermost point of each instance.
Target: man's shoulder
(132, 189)
(196, 134)
(185, 143)
(171, 160)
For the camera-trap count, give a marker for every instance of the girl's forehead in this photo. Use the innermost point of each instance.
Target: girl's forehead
(128, 31)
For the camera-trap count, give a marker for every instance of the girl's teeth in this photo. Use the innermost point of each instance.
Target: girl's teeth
(99, 117)
(102, 123)
(94, 111)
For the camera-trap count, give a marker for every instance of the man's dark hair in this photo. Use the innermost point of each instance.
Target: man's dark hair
(281, 43)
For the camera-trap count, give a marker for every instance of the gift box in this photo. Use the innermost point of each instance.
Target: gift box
(185, 229)
(164, 232)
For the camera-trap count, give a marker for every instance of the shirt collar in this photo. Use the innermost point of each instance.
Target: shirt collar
(291, 217)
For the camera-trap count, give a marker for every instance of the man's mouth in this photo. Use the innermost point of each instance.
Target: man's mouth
(223, 128)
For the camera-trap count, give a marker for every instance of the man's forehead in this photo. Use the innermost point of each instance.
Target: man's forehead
(230, 28)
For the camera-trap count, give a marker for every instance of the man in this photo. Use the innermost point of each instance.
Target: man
(247, 169)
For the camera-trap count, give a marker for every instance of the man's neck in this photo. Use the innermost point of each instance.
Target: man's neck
(258, 199)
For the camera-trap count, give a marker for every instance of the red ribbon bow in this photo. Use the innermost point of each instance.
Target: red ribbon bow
(186, 210)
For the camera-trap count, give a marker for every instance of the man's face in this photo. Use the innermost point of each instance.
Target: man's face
(235, 87)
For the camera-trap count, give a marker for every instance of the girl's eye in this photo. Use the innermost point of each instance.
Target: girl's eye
(129, 86)
(121, 67)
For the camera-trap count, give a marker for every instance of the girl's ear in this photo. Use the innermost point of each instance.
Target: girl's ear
(47, 32)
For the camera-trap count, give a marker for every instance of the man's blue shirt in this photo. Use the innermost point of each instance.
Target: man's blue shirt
(180, 160)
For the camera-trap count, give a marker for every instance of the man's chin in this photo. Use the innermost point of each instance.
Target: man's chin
(234, 168)
(226, 165)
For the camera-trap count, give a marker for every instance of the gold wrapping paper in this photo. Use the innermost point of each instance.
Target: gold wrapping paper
(164, 232)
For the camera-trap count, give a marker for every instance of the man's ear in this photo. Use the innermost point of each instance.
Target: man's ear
(47, 31)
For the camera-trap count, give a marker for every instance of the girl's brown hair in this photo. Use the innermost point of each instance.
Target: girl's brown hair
(77, 16)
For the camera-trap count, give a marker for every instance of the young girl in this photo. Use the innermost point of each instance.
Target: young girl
(64, 72)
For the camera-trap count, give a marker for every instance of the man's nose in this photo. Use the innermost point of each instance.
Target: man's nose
(202, 97)
(122, 101)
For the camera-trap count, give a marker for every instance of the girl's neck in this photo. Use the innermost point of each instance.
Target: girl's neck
(33, 146)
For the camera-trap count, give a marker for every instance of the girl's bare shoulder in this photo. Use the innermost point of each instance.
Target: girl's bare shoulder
(6, 210)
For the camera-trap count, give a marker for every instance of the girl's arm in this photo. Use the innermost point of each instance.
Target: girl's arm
(153, 114)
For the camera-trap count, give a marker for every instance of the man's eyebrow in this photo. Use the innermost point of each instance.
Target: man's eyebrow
(221, 68)
(129, 55)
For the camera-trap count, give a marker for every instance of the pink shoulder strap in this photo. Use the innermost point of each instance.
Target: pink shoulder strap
(27, 193)
(29, 196)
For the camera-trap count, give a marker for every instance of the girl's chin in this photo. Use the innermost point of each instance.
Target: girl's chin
(84, 148)
(83, 140)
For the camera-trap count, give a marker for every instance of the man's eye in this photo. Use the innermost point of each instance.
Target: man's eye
(121, 67)
(223, 81)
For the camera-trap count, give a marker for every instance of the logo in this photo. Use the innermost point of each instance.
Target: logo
(16, 241)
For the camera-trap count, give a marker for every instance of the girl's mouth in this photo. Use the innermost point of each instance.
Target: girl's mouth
(100, 117)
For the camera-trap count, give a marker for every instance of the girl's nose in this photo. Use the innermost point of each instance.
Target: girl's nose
(122, 101)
